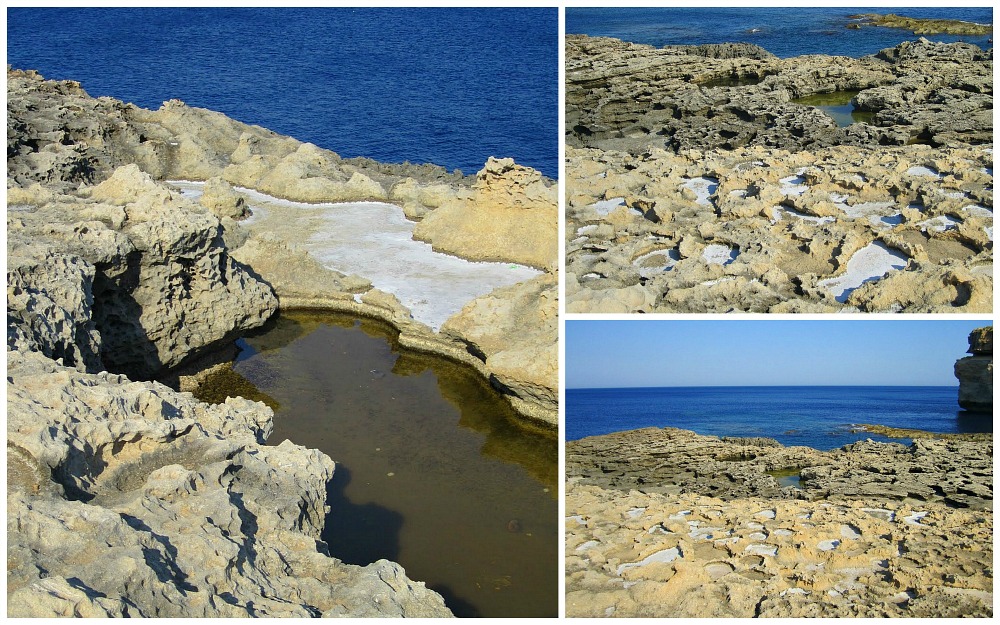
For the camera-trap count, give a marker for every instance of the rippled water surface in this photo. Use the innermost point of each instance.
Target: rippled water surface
(822, 417)
(445, 86)
(431, 470)
(784, 31)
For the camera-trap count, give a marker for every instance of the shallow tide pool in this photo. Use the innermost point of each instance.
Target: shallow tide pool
(432, 470)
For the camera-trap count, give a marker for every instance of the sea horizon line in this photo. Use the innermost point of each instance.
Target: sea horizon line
(606, 388)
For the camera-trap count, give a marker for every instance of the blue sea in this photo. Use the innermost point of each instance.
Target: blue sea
(784, 31)
(445, 86)
(815, 416)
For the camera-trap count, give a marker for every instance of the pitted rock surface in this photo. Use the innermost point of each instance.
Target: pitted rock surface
(640, 230)
(695, 183)
(667, 522)
(631, 554)
(129, 499)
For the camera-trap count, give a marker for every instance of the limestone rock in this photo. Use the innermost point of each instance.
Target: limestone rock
(760, 230)
(161, 285)
(297, 278)
(975, 373)
(418, 199)
(670, 460)
(220, 198)
(511, 215)
(50, 306)
(146, 502)
(630, 554)
(629, 96)
(509, 329)
(664, 522)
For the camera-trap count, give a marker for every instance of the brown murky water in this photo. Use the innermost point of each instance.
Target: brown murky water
(838, 106)
(432, 471)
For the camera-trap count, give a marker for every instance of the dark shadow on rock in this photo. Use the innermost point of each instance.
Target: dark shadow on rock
(125, 345)
(358, 533)
(166, 569)
(458, 606)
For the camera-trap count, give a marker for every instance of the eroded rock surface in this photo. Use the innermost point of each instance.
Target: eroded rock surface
(667, 522)
(630, 97)
(975, 373)
(696, 184)
(631, 554)
(62, 143)
(129, 499)
(125, 275)
(510, 213)
(672, 461)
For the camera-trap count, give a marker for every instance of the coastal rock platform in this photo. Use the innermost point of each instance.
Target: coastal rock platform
(667, 522)
(695, 182)
(127, 497)
(62, 140)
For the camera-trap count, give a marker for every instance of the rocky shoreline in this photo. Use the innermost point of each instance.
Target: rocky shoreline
(923, 26)
(667, 521)
(697, 183)
(115, 275)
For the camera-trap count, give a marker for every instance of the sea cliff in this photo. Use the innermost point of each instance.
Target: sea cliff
(975, 373)
(129, 497)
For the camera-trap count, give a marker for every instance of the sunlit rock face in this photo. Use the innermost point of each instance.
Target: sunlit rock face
(675, 153)
(975, 373)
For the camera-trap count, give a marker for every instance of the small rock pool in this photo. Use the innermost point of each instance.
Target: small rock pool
(432, 470)
(839, 106)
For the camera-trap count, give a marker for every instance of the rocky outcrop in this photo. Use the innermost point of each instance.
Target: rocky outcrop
(667, 522)
(129, 499)
(633, 97)
(509, 214)
(924, 26)
(975, 373)
(60, 138)
(125, 275)
(508, 331)
(955, 472)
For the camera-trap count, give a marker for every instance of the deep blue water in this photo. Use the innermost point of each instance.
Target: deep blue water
(815, 416)
(444, 86)
(783, 31)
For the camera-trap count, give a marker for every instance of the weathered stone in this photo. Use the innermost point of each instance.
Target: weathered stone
(975, 373)
(666, 522)
(154, 504)
(511, 214)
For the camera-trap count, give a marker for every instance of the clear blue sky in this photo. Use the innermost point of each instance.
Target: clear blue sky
(649, 352)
